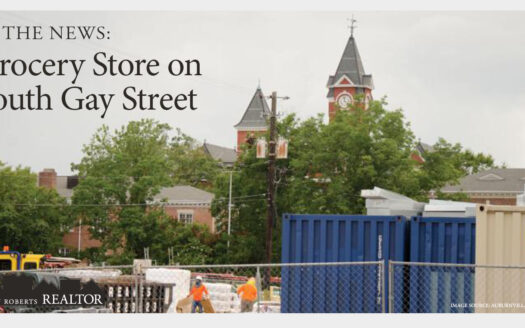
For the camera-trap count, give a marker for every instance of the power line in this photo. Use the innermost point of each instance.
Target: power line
(134, 204)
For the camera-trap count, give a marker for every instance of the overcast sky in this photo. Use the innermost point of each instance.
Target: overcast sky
(456, 75)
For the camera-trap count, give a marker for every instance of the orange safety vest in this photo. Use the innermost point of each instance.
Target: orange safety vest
(197, 292)
(249, 292)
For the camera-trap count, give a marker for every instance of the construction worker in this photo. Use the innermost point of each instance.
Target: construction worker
(248, 294)
(197, 292)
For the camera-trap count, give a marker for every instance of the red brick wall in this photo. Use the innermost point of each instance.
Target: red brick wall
(70, 239)
(243, 136)
(201, 215)
(337, 91)
(494, 201)
(47, 178)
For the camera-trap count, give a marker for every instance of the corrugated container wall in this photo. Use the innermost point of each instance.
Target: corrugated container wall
(500, 241)
(440, 240)
(338, 238)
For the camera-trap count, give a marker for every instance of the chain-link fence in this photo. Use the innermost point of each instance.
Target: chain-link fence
(347, 287)
(455, 288)
(343, 287)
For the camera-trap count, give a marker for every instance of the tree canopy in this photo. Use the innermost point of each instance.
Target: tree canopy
(327, 167)
(121, 172)
(32, 218)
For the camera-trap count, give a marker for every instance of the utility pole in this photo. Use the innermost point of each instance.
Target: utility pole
(272, 154)
(270, 191)
(230, 209)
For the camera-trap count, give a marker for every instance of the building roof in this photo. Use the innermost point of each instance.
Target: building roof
(184, 195)
(491, 181)
(351, 66)
(227, 156)
(421, 149)
(176, 195)
(424, 148)
(255, 115)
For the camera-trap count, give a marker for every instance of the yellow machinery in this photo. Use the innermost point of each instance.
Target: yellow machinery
(14, 261)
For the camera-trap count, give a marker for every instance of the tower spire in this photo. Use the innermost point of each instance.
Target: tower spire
(350, 78)
(351, 25)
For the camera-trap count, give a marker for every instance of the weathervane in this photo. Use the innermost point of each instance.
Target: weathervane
(351, 25)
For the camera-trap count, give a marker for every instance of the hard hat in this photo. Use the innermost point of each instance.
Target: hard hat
(199, 278)
(251, 281)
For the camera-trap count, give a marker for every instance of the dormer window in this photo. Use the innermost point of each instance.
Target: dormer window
(491, 177)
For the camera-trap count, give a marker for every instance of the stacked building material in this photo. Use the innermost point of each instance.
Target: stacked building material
(88, 274)
(221, 296)
(180, 279)
(235, 303)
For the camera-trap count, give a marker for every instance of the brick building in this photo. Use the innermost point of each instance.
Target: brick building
(184, 203)
(254, 120)
(348, 81)
(496, 186)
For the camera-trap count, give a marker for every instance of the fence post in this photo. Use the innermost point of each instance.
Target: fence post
(383, 276)
(391, 287)
(139, 293)
(136, 292)
(259, 289)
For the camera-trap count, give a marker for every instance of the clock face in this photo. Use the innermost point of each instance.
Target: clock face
(344, 100)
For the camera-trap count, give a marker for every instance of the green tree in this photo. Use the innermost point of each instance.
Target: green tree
(447, 163)
(122, 172)
(193, 166)
(327, 167)
(32, 218)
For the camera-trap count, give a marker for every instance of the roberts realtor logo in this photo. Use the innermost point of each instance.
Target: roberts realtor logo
(29, 290)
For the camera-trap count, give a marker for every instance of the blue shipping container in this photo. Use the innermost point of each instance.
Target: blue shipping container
(440, 240)
(338, 238)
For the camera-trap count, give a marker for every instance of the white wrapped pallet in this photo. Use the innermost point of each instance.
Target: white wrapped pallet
(448, 208)
(219, 287)
(91, 274)
(235, 305)
(181, 279)
(220, 296)
(267, 307)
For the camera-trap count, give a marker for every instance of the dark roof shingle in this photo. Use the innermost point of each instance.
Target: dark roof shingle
(255, 114)
(227, 156)
(350, 66)
(493, 180)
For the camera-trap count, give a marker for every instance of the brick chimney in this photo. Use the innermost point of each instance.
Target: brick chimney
(47, 178)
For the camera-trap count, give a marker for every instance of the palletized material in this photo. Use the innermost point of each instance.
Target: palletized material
(439, 240)
(380, 201)
(338, 238)
(500, 241)
(180, 279)
(449, 209)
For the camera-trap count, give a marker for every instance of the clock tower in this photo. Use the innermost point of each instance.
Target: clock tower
(349, 80)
